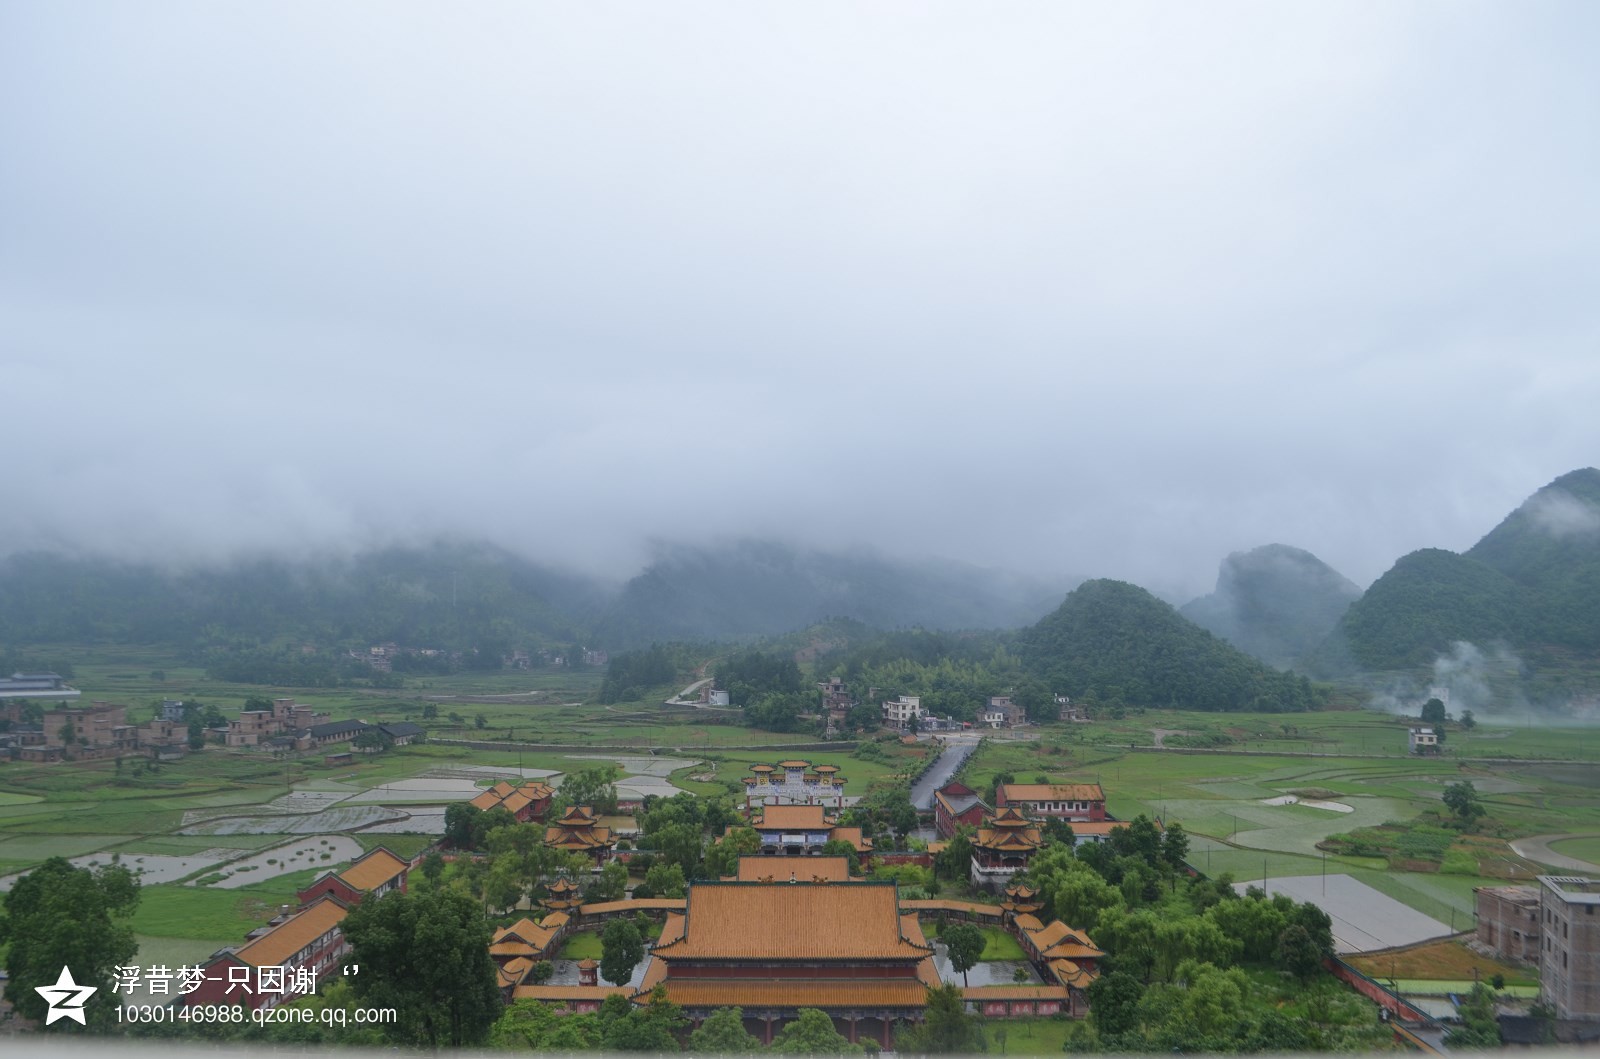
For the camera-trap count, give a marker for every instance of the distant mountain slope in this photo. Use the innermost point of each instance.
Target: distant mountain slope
(1533, 582)
(759, 588)
(1121, 642)
(446, 595)
(1275, 603)
(1550, 546)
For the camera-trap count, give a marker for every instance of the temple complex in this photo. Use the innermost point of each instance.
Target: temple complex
(794, 783)
(799, 830)
(579, 831)
(527, 802)
(773, 949)
(1003, 847)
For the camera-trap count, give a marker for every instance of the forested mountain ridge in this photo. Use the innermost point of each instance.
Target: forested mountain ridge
(450, 596)
(1117, 642)
(760, 588)
(1275, 603)
(1532, 583)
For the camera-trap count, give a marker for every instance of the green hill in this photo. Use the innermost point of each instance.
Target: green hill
(1532, 584)
(1275, 603)
(1122, 644)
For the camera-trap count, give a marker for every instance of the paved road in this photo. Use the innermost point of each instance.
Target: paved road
(954, 754)
(1538, 848)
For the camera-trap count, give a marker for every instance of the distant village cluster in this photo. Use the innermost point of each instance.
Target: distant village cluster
(100, 730)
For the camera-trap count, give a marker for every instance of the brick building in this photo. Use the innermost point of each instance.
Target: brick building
(1066, 801)
(1508, 921)
(1569, 958)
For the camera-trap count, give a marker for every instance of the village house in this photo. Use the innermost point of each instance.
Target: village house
(955, 805)
(1066, 801)
(1508, 921)
(773, 949)
(1001, 712)
(901, 711)
(1067, 710)
(1423, 741)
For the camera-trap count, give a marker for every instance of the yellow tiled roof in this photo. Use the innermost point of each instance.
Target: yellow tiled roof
(970, 908)
(797, 992)
(851, 835)
(636, 904)
(373, 870)
(293, 934)
(798, 921)
(756, 868)
(791, 818)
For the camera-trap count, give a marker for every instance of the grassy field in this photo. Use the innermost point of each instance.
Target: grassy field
(997, 944)
(1223, 798)
(1444, 960)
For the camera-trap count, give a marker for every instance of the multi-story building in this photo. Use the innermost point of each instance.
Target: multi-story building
(899, 712)
(372, 874)
(955, 805)
(1508, 921)
(1001, 712)
(280, 963)
(1067, 801)
(1569, 955)
(580, 831)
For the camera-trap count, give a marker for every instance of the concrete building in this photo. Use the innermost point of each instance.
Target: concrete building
(1569, 957)
(1067, 801)
(1508, 921)
(1423, 741)
(898, 712)
(1001, 712)
(36, 686)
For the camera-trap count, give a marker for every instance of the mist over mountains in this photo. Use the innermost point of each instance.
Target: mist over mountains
(1526, 595)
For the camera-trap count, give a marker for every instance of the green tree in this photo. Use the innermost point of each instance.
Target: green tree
(461, 827)
(58, 915)
(1478, 1029)
(1433, 713)
(427, 956)
(1468, 722)
(1462, 799)
(613, 882)
(964, 945)
(666, 880)
(722, 858)
(531, 1025)
(946, 1028)
(621, 949)
(812, 1034)
(1298, 952)
(595, 787)
(1175, 847)
(1114, 1003)
(723, 1033)
(653, 1027)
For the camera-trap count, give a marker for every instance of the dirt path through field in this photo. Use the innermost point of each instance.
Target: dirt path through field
(1538, 848)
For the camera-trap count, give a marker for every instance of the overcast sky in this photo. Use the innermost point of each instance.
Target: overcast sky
(1110, 289)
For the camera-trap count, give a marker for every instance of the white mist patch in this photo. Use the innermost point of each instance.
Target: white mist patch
(1561, 514)
(1290, 799)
